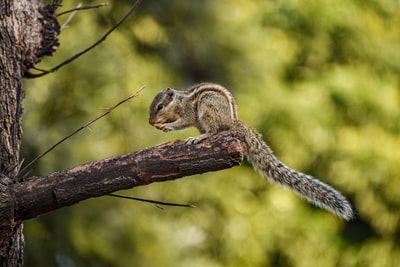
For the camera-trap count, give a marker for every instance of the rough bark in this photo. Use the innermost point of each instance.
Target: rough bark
(23, 26)
(39, 195)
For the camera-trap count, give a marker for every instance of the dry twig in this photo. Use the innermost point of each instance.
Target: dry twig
(80, 7)
(86, 125)
(153, 201)
(104, 37)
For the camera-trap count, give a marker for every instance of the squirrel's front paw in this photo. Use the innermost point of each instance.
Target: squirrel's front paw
(166, 127)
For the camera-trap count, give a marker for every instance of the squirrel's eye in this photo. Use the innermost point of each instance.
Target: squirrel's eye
(160, 106)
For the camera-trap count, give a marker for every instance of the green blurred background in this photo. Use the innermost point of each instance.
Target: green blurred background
(319, 79)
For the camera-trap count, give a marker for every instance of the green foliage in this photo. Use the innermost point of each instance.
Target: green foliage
(319, 79)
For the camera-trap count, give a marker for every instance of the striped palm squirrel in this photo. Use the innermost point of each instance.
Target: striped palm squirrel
(211, 108)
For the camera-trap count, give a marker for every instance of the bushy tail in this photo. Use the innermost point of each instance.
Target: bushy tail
(316, 192)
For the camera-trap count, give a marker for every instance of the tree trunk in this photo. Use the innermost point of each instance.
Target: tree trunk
(24, 39)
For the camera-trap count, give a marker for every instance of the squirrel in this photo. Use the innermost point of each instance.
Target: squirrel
(211, 108)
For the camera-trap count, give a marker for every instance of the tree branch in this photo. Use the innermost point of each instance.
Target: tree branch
(39, 195)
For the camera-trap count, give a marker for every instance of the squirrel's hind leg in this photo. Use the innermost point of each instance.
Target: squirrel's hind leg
(197, 139)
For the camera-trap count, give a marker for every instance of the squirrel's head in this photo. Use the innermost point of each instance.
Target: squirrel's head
(162, 109)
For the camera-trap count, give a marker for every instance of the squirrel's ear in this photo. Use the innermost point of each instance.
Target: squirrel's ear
(170, 92)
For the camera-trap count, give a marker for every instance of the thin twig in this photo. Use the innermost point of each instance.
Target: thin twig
(133, 7)
(39, 69)
(80, 129)
(80, 7)
(70, 17)
(153, 201)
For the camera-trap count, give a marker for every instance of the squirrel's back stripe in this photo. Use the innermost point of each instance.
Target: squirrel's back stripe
(197, 89)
